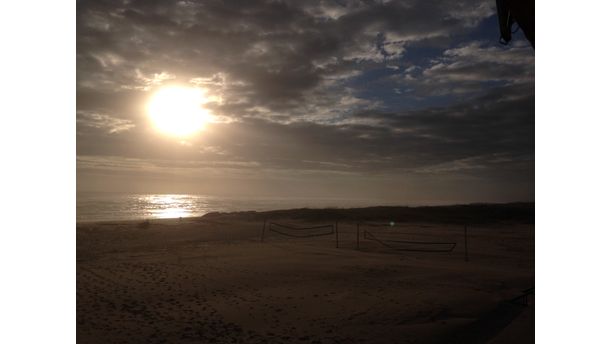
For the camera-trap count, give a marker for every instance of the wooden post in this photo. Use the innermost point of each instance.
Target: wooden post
(336, 234)
(357, 235)
(466, 245)
(263, 229)
(532, 242)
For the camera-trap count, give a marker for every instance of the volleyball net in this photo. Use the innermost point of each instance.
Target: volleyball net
(394, 236)
(300, 232)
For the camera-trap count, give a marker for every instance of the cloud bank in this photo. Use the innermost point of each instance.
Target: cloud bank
(403, 100)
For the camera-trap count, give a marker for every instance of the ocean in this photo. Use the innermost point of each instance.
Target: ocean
(101, 206)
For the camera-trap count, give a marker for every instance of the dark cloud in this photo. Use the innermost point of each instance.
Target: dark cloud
(282, 50)
(491, 126)
(300, 89)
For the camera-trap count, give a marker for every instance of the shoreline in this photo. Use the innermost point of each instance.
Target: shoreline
(475, 213)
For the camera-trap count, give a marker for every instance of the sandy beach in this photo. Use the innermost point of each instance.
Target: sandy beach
(213, 280)
(303, 171)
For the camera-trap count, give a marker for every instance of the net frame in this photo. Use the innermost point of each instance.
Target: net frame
(395, 224)
(311, 235)
(384, 242)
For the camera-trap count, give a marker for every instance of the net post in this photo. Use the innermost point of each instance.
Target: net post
(465, 239)
(336, 234)
(263, 230)
(357, 235)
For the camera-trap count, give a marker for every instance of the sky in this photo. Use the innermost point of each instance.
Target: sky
(410, 102)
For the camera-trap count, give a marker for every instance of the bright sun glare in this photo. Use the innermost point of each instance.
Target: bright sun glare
(178, 111)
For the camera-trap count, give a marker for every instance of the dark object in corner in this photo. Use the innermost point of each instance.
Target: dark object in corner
(520, 11)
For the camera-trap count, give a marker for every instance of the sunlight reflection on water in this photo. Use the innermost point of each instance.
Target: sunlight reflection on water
(168, 206)
(100, 206)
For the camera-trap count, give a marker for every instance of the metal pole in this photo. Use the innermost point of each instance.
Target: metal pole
(336, 234)
(263, 229)
(357, 235)
(466, 245)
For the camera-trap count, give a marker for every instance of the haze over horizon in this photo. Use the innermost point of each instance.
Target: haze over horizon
(412, 102)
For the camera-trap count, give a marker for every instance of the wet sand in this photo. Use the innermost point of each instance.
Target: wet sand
(214, 281)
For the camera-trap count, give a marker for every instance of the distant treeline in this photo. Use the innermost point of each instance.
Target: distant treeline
(481, 213)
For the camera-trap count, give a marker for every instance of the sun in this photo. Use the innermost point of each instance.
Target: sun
(178, 111)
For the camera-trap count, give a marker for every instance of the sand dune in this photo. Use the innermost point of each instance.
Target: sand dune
(214, 281)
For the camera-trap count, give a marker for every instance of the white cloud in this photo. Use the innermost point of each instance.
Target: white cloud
(147, 81)
(108, 123)
(467, 68)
